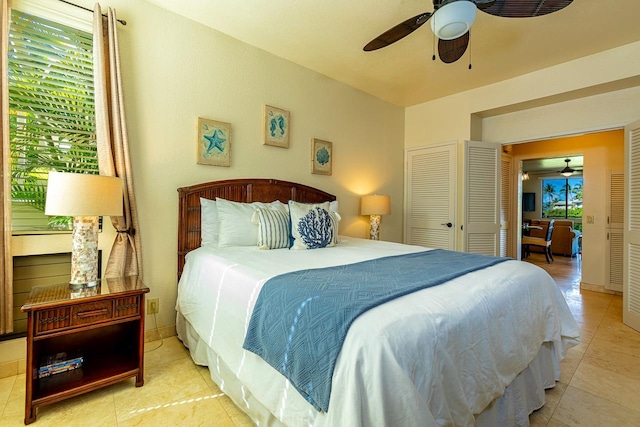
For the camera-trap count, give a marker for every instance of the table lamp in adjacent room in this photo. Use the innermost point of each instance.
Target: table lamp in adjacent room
(374, 206)
(84, 197)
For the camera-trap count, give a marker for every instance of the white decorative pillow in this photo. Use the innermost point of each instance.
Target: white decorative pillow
(236, 227)
(273, 228)
(335, 216)
(335, 221)
(313, 225)
(209, 229)
(333, 206)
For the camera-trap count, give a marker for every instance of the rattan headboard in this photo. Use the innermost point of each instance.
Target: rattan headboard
(237, 190)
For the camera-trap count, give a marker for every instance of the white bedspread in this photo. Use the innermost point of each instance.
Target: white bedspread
(434, 357)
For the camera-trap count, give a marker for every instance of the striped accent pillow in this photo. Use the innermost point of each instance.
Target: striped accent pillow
(273, 228)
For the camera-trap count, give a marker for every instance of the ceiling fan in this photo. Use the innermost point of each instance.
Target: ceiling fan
(452, 19)
(567, 171)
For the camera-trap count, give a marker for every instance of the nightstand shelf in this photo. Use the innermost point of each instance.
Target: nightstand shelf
(102, 325)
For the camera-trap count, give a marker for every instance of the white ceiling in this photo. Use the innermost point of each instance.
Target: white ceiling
(328, 36)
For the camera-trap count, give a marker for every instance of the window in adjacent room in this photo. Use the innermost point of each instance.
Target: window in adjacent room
(562, 198)
(51, 114)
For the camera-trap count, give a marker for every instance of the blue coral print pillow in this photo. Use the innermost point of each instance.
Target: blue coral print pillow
(313, 226)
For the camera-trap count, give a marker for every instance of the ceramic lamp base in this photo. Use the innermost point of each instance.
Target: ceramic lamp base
(374, 222)
(84, 251)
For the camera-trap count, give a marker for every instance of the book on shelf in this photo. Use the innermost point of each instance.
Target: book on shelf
(59, 363)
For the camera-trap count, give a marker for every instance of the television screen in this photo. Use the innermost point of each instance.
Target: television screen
(528, 202)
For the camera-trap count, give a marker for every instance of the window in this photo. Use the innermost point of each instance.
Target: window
(51, 113)
(562, 198)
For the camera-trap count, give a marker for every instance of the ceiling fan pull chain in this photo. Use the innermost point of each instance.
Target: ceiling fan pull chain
(470, 47)
(433, 44)
(433, 49)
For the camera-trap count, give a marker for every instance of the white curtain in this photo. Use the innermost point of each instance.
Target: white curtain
(6, 260)
(113, 142)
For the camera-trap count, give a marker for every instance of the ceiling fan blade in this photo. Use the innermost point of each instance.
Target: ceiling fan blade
(483, 4)
(398, 32)
(452, 50)
(524, 8)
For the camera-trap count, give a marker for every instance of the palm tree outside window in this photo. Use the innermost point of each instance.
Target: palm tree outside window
(562, 198)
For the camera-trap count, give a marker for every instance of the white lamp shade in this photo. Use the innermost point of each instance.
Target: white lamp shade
(74, 194)
(453, 19)
(375, 205)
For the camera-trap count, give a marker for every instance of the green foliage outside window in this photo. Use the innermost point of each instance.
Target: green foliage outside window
(562, 198)
(51, 113)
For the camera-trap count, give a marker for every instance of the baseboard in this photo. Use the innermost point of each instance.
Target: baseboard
(13, 368)
(156, 334)
(598, 288)
(13, 357)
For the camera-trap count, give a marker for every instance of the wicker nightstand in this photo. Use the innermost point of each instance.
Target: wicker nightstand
(81, 340)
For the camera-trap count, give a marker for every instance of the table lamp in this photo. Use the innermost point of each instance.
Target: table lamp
(84, 197)
(374, 206)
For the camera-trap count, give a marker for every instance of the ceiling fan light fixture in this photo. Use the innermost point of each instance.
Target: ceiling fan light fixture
(567, 171)
(453, 19)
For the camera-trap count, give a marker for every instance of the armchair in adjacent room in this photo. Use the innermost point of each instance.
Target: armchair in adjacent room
(565, 239)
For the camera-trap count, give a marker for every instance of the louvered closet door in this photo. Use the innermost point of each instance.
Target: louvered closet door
(631, 263)
(431, 197)
(506, 231)
(481, 229)
(615, 225)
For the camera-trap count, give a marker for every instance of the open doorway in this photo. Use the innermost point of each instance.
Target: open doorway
(553, 188)
(602, 153)
(552, 196)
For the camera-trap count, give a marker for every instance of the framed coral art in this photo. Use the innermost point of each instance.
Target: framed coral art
(321, 156)
(214, 143)
(276, 127)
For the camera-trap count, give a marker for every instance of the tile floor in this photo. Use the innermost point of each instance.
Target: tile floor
(600, 379)
(176, 393)
(600, 383)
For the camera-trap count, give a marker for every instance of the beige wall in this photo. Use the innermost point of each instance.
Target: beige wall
(175, 70)
(598, 92)
(592, 93)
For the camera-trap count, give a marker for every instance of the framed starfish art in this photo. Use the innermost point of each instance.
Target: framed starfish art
(214, 143)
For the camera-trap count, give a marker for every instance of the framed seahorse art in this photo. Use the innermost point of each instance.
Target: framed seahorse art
(276, 127)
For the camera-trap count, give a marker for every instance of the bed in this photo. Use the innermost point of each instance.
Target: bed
(479, 349)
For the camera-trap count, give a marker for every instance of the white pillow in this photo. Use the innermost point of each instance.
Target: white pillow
(313, 225)
(335, 222)
(234, 219)
(209, 229)
(273, 228)
(335, 216)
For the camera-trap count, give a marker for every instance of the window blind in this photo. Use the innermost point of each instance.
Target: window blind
(51, 112)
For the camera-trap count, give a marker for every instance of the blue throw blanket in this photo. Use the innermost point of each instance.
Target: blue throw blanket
(301, 318)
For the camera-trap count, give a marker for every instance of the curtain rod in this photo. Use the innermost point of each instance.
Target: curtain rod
(122, 21)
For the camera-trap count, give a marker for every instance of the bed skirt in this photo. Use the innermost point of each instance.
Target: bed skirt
(525, 394)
